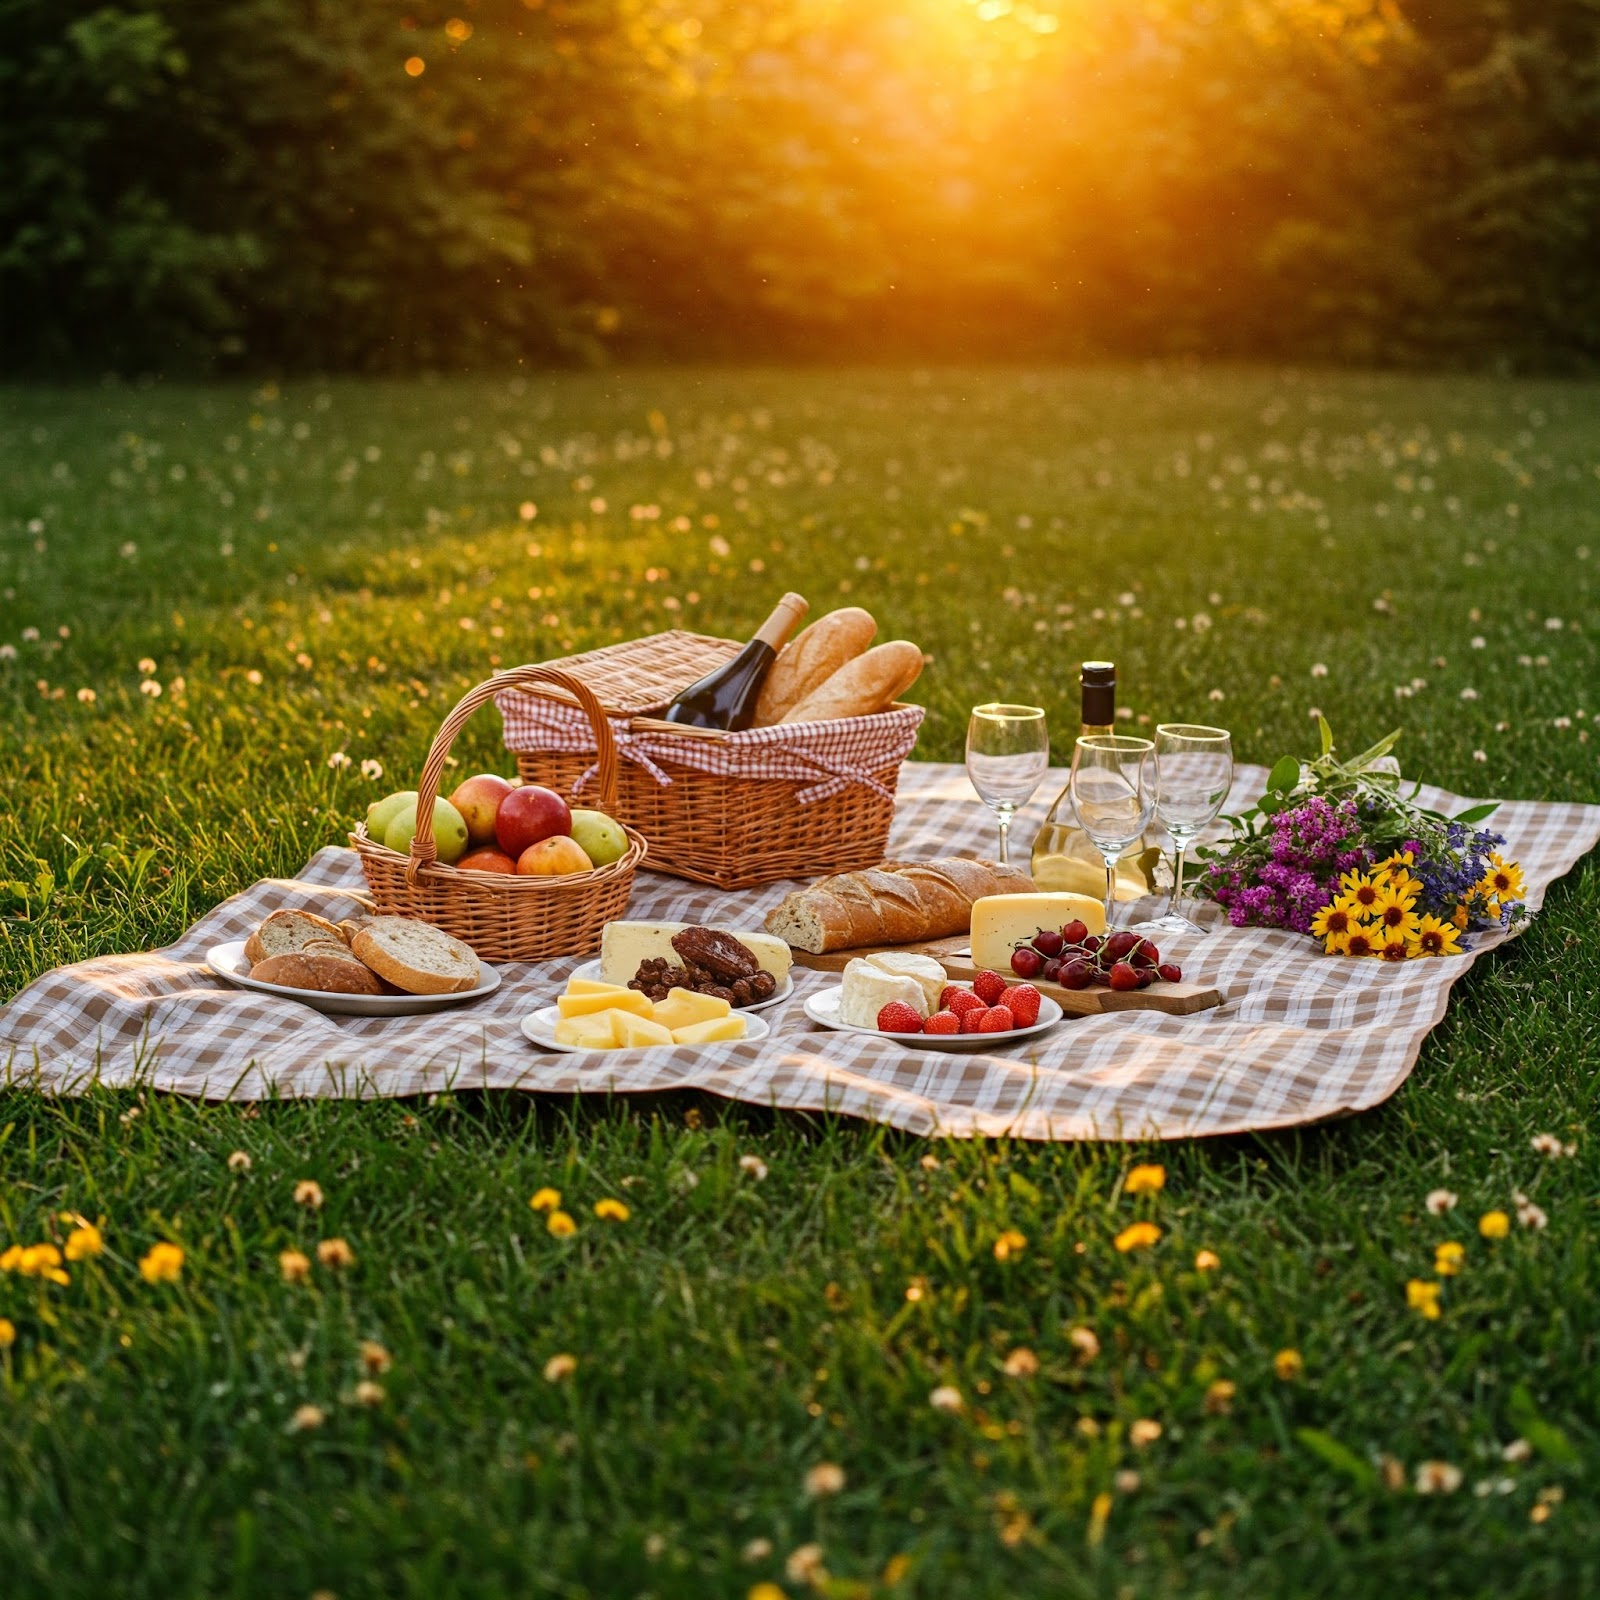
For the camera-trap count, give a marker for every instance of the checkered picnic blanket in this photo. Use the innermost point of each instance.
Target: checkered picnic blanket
(1299, 1037)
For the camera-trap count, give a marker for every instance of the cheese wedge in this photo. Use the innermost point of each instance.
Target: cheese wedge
(593, 986)
(867, 989)
(1001, 922)
(629, 1032)
(591, 1032)
(924, 969)
(584, 1005)
(712, 1031)
(623, 945)
(683, 1007)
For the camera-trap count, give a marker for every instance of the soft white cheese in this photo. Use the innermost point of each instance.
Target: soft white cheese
(1001, 922)
(924, 969)
(868, 989)
(623, 945)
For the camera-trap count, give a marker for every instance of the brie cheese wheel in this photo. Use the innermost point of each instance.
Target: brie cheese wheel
(868, 989)
(1000, 922)
(623, 945)
(924, 969)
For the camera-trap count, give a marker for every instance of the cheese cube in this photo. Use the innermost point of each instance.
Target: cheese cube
(623, 945)
(594, 986)
(712, 1031)
(591, 1032)
(629, 1032)
(583, 1005)
(683, 1007)
(1001, 922)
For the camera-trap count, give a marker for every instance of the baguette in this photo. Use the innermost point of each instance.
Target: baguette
(871, 682)
(322, 971)
(416, 956)
(285, 932)
(811, 658)
(897, 903)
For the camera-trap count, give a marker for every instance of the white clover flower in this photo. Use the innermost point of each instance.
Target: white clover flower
(151, 688)
(1437, 1477)
(1469, 694)
(338, 761)
(1439, 1201)
(371, 769)
(946, 1398)
(1319, 669)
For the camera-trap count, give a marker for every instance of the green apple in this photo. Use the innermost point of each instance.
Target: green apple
(601, 837)
(382, 812)
(449, 830)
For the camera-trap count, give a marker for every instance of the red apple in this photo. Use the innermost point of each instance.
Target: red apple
(528, 815)
(487, 860)
(478, 800)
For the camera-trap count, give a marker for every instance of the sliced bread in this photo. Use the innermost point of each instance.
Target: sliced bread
(323, 971)
(287, 931)
(416, 956)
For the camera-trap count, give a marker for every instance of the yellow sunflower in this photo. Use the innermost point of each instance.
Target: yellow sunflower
(1360, 942)
(1391, 946)
(1393, 913)
(1331, 921)
(1337, 944)
(1396, 866)
(1361, 890)
(1435, 938)
(1503, 880)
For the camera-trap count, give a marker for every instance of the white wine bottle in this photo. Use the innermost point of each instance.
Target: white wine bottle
(726, 698)
(1064, 857)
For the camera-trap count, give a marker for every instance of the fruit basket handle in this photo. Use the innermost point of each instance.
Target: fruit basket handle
(423, 849)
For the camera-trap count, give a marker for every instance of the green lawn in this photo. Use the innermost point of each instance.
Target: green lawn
(324, 569)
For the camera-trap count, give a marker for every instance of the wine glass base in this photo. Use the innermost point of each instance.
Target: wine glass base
(1173, 926)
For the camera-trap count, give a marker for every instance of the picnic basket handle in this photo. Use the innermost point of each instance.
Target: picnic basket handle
(423, 849)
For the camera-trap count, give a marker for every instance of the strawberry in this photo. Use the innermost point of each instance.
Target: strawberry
(960, 1001)
(898, 1017)
(948, 994)
(988, 986)
(1023, 1001)
(972, 1019)
(997, 1019)
(942, 1022)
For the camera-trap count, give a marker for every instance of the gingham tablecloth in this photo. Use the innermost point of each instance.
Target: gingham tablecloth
(1299, 1037)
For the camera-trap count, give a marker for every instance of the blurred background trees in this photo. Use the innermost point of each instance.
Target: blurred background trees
(216, 184)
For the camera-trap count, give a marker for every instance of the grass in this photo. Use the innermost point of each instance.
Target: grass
(323, 569)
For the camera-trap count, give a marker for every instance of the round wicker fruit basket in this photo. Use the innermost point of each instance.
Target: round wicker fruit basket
(505, 917)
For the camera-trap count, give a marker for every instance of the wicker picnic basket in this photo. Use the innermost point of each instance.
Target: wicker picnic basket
(708, 802)
(504, 917)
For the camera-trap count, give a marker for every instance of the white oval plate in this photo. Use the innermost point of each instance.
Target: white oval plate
(540, 1029)
(227, 961)
(824, 1008)
(591, 969)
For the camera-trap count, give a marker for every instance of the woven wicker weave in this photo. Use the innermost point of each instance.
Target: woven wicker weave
(639, 675)
(506, 918)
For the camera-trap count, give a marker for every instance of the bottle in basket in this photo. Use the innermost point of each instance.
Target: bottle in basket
(727, 697)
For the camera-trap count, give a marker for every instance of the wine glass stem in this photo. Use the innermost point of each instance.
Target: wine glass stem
(1111, 886)
(1004, 814)
(1180, 843)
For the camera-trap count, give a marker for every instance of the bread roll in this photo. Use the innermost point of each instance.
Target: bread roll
(871, 682)
(285, 932)
(811, 658)
(897, 903)
(324, 972)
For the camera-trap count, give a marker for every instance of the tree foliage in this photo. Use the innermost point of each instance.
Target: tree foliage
(303, 182)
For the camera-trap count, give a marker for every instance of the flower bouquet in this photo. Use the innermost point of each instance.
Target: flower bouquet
(1335, 850)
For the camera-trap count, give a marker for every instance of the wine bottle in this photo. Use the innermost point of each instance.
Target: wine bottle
(726, 698)
(1064, 856)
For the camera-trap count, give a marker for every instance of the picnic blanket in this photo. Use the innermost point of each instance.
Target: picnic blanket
(1299, 1038)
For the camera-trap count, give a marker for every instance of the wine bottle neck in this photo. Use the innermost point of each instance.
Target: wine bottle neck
(1089, 729)
(785, 618)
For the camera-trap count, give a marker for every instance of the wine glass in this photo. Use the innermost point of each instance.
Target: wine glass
(1008, 750)
(1194, 771)
(1113, 797)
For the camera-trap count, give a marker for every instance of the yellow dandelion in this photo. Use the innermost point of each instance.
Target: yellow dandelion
(560, 1367)
(294, 1266)
(8, 1333)
(335, 1253)
(611, 1211)
(561, 1225)
(368, 1393)
(1137, 1236)
(1422, 1296)
(1144, 1431)
(1332, 921)
(1503, 880)
(84, 1241)
(1219, 1397)
(1448, 1257)
(765, 1591)
(1288, 1364)
(308, 1193)
(306, 1419)
(826, 1478)
(1010, 1243)
(1494, 1224)
(1207, 1261)
(1146, 1179)
(374, 1358)
(162, 1263)
(545, 1199)
(1435, 938)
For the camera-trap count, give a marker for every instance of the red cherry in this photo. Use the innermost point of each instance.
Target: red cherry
(1076, 975)
(1170, 972)
(1121, 944)
(1047, 942)
(1051, 972)
(1075, 931)
(1026, 962)
(1124, 976)
(1091, 943)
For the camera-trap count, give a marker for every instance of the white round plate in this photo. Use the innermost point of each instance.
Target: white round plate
(824, 1008)
(540, 1029)
(227, 961)
(591, 969)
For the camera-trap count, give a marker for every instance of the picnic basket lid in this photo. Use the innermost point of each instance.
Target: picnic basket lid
(641, 675)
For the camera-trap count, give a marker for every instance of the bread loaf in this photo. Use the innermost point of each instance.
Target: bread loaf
(287, 931)
(871, 682)
(897, 903)
(320, 970)
(416, 956)
(811, 658)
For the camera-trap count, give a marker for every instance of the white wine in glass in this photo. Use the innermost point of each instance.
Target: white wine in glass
(1008, 752)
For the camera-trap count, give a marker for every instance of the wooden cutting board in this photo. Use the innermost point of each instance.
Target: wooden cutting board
(954, 955)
